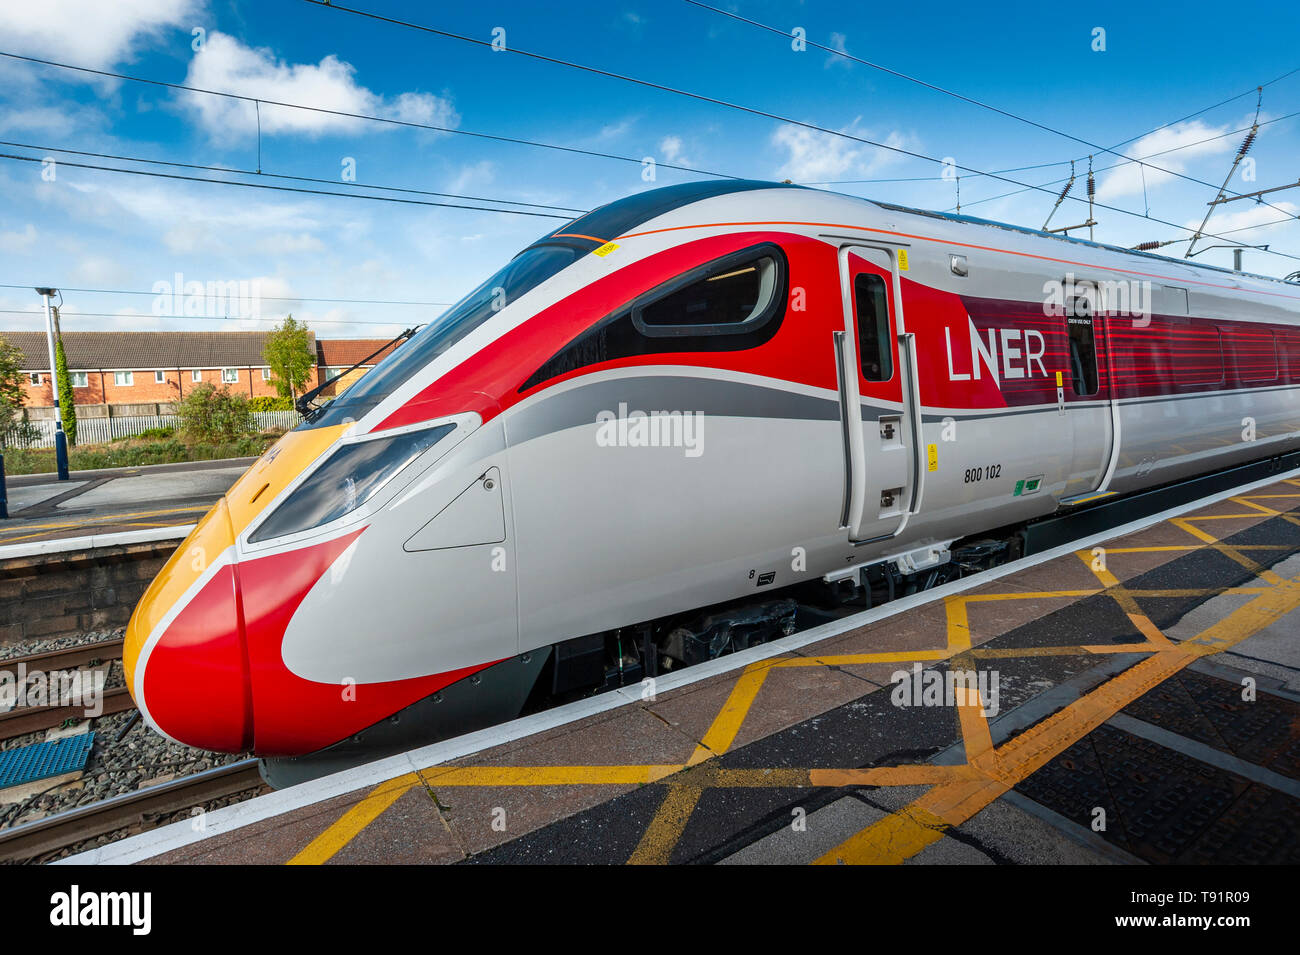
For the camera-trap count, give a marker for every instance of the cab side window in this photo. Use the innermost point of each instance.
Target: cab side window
(733, 295)
(732, 303)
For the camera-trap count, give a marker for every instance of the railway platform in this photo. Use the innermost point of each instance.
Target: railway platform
(1133, 697)
(114, 500)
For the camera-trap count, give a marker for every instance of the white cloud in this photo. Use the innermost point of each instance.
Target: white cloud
(615, 130)
(90, 33)
(101, 270)
(837, 44)
(38, 119)
(820, 157)
(1239, 226)
(283, 243)
(227, 65)
(670, 149)
(1127, 180)
(473, 176)
(18, 241)
(187, 219)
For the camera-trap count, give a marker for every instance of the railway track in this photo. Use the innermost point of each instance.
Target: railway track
(29, 719)
(34, 840)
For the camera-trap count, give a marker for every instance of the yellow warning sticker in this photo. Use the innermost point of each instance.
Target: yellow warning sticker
(605, 249)
(902, 260)
(1058, 380)
(932, 456)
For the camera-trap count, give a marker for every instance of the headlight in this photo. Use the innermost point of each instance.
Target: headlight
(348, 478)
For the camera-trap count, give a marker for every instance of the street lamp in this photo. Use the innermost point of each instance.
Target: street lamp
(60, 439)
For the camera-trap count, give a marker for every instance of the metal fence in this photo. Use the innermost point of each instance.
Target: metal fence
(101, 430)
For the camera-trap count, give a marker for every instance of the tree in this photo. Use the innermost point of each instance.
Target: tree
(11, 387)
(209, 413)
(67, 399)
(288, 352)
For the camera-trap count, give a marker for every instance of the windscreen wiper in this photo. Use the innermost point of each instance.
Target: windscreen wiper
(304, 403)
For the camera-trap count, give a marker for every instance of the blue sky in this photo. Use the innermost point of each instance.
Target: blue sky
(100, 230)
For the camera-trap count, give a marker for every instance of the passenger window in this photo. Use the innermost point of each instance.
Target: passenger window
(1083, 346)
(736, 294)
(874, 349)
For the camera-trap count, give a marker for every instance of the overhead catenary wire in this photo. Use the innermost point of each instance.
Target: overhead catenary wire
(201, 318)
(844, 54)
(751, 110)
(265, 298)
(242, 97)
(646, 83)
(1162, 152)
(1064, 162)
(274, 175)
(297, 189)
(367, 117)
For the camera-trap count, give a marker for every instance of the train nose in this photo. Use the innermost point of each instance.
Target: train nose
(184, 654)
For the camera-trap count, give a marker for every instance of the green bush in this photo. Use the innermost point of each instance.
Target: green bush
(172, 451)
(23, 434)
(154, 434)
(268, 403)
(213, 414)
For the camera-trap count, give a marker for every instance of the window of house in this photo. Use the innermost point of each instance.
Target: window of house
(36, 378)
(159, 378)
(266, 374)
(874, 349)
(230, 375)
(196, 374)
(80, 379)
(124, 378)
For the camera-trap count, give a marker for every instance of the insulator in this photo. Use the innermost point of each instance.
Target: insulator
(1147, 246)
(1066, 191)
(1250, 141)
(1092, 185)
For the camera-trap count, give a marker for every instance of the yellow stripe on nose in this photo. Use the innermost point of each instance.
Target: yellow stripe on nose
(273, 471)
(219, 528)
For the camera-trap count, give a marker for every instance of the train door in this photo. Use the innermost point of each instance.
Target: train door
(879, 404)
(1085, 395)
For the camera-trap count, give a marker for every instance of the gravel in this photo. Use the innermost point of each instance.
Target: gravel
(114, 768)
(10, 650)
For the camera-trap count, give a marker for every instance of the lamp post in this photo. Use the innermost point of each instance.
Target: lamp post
(60, 439)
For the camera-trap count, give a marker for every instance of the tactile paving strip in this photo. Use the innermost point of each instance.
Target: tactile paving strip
(1213, 712)
(1165, 807)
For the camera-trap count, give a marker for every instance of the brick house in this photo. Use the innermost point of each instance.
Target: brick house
(334, 355)
(135, 367)
(123, 368)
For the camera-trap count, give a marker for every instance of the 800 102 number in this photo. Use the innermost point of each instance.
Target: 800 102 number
(991, 472)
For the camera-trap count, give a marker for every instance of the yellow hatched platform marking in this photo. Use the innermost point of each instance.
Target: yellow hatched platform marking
(956, 792)
(329, 842)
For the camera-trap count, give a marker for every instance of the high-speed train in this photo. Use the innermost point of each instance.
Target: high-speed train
(629, 449)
